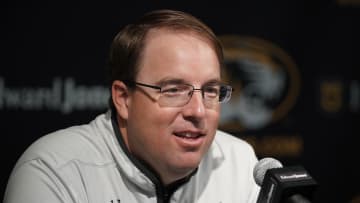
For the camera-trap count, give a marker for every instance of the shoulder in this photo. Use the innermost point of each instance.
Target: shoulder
(233, 151)
(229, 142)
(230, 162)
(228, 150)
(82, 143)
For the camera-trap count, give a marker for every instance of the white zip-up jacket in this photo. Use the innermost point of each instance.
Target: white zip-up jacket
(90, 164)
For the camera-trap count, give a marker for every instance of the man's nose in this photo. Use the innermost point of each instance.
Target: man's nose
(195, 107)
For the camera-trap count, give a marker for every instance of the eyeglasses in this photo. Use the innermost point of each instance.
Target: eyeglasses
(176, 95)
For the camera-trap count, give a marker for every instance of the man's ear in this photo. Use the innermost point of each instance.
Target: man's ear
(120, 97)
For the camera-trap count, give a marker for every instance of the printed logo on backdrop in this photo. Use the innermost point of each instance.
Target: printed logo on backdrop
(265, 79)
(337, 95)
(62, 95)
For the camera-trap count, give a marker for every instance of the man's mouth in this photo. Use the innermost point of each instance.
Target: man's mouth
(190, 140)
(188, 135)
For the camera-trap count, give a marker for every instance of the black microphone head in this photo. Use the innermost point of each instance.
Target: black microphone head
(262, 166)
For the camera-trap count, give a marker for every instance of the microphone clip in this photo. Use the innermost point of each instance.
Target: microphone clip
(287, 184)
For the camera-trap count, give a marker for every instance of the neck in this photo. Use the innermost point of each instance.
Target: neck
(166, 178)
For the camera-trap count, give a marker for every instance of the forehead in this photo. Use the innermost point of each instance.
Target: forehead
(162, 33)
(177, 52)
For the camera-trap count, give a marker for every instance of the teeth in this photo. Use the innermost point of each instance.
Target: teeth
(188, 135)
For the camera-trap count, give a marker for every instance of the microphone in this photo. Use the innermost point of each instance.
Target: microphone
(282, 184)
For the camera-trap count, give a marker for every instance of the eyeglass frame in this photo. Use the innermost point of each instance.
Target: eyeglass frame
(227, 97)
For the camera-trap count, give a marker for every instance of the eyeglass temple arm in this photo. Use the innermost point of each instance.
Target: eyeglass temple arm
(146, 85)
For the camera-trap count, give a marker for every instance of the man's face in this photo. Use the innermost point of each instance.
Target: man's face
(156, 133)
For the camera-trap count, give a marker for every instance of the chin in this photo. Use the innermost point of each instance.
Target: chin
(189, 161)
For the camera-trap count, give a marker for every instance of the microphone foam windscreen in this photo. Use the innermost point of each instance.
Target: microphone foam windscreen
(262, 166)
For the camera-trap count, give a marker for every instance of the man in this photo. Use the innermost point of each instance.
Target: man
(159, 142)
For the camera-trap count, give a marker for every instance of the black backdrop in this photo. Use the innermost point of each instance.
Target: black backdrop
(52, 49)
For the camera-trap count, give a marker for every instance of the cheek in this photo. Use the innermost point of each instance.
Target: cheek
(148, 127)
(213, 116)
(147, 115)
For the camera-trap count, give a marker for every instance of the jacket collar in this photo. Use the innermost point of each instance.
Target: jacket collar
(138, 171)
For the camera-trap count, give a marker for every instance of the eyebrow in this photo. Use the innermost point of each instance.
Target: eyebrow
(213, 82)
(168, 80)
